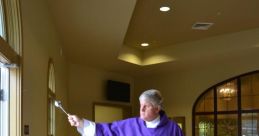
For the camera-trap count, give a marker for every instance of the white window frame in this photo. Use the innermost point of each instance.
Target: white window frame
(4, 101)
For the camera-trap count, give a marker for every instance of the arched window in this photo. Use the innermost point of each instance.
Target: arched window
(51, 99)
(10, 68)
(230, 108)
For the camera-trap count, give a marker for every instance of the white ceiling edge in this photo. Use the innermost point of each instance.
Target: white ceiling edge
(213, 46)
(130, 55)
(134, 56)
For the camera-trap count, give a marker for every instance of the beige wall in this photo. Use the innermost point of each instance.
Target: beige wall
(105, 113)
(87, 85)
(40, 43)
(182, 87)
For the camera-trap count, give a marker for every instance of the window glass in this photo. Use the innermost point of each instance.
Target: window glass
(51, 79)
(4, 101)
(204, 125)
(236, 108)
(250, 92)
(227, 125)
(206, 103)
(250, 124)
(51, 117)
(2, 28)
(51, 100)
(227, 96)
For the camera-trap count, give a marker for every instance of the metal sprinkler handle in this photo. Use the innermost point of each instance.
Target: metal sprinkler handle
(59, 105)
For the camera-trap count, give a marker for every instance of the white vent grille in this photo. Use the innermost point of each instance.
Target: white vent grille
(202, 26)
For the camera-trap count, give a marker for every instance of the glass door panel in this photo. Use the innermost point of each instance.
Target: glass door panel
(204, 125)
(227, 125)
(250, 124)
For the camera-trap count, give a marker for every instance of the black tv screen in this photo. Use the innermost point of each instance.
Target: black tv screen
(118, 91)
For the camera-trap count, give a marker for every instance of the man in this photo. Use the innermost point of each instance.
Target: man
(152, 121)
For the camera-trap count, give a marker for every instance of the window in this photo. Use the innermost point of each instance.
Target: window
(10, 68)
(2, 28)
(51, 99)
(230, 108)
(4, 101)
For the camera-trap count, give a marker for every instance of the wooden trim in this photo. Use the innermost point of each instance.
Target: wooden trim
(16, 101)
(8, 55)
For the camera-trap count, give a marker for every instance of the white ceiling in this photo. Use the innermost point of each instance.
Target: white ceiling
(93, 32)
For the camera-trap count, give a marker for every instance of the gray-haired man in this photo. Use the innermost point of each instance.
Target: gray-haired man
(152, 121)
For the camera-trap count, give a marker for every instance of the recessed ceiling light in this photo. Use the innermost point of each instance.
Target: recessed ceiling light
(144, 44)
(164, 8)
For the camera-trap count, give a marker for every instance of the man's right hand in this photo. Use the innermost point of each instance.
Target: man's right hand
(75, 121)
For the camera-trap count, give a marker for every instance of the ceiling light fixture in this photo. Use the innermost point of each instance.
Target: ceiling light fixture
(144, 44)
(227, 91)
(164, 8)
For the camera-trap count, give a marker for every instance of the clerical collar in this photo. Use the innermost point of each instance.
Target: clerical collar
(153, 123)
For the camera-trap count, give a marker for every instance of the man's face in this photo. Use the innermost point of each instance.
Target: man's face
(148, 111)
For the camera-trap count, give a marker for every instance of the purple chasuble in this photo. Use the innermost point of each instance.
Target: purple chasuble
(136, 127)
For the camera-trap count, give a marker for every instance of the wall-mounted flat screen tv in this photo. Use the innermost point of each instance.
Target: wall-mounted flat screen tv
(118, 91)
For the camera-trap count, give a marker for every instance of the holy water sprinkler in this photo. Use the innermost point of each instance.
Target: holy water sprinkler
(59, 105)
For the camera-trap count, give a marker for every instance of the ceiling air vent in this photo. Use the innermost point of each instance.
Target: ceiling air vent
(202, 26)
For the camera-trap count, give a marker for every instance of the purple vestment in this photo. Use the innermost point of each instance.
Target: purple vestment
(136, 127)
